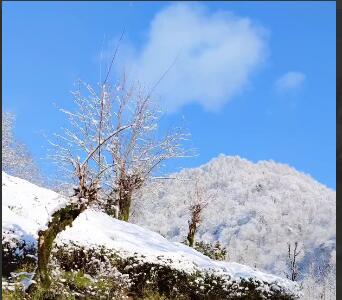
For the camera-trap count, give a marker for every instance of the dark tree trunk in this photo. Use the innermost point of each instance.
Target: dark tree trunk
(194, 223)
(293, 261)
(191, 234)
(125, 205)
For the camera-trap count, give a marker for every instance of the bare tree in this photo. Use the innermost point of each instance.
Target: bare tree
(16, 158)
(108, 151)
(82, 152)
(138, 151)
(293, 261)
(198, 202)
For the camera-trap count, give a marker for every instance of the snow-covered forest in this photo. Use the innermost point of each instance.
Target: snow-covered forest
(255, 210)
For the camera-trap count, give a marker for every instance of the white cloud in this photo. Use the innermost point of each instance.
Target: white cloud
(216, 54)
(290, 81)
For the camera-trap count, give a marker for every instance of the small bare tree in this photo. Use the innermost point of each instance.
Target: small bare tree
(82, 152)
(293, 261)
(138, 151)
(198, 202)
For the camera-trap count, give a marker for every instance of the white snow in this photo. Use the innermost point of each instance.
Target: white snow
(26, 209)
(93, 228)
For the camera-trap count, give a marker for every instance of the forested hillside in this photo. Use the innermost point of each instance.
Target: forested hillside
(255, 210)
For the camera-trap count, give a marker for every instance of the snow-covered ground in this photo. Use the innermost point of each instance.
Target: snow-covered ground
(27, 208)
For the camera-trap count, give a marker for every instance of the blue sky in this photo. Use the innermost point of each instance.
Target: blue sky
(253, 79)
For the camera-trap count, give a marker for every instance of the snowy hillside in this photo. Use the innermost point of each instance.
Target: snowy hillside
(27, 208)
(93, 229)
(257, 208)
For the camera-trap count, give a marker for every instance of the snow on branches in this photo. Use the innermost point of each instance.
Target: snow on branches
(16, 158)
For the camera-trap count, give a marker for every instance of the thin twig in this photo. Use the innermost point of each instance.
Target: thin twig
(113, 58)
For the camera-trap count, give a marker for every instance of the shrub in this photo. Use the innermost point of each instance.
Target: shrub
(100, 273)
(162, 281)
(16, 255)
(214, 251)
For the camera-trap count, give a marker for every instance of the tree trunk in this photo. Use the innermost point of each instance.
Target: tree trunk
(191, 234)
(124, 206)
(60, 219)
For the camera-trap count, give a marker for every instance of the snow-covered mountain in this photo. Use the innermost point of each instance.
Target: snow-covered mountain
(256, 209)
(27, 208)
